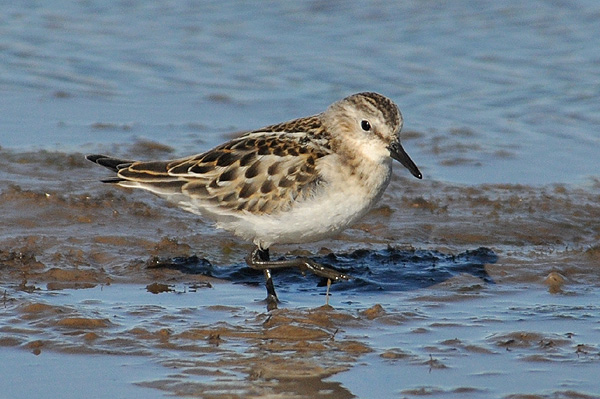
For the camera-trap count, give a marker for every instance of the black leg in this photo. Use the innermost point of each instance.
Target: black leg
(255, 261)
(271, 295)
(261, 256)
(259, 259)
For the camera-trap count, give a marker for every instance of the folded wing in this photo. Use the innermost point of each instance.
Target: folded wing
(261, 172)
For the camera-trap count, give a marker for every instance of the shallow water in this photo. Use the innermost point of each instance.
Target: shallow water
(484, 272)
(503, 284)
(445, 340)
(488, 89)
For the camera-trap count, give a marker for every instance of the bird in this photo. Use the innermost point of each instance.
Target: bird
(293, 182)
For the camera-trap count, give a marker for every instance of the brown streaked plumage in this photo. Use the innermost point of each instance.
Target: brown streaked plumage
(291, 182)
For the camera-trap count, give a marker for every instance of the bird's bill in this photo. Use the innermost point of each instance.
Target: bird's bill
(398, 153)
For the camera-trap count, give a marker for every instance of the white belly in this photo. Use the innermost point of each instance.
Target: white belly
(340, 202)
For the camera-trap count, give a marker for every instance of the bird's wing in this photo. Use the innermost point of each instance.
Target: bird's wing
(260, 172)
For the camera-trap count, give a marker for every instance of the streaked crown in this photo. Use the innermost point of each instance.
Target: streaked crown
(366, 114)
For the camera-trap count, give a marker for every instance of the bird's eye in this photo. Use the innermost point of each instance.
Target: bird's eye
(366, 126)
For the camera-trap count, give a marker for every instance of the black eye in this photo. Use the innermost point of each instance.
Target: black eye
(366, 126)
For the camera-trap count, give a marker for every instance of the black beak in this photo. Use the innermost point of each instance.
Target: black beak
(398, 153)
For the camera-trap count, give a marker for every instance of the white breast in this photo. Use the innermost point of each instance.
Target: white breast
(343, 197)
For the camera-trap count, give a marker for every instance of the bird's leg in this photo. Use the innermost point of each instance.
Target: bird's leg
(259, 259)
(256, 261)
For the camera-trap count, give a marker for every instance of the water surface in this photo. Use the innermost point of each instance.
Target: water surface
(491, 88)
(486, 271)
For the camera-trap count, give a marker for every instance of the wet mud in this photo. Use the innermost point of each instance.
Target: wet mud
(444, 276)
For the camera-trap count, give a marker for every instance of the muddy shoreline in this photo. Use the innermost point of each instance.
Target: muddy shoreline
(57, 215)
(65, 236)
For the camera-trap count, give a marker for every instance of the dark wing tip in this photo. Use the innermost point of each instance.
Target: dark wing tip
(113, 180)
(95, 157)
(113, 164)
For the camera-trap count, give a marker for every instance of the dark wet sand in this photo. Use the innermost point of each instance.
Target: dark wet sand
(67, 237)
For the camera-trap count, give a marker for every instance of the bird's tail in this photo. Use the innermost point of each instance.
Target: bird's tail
(114, 164)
